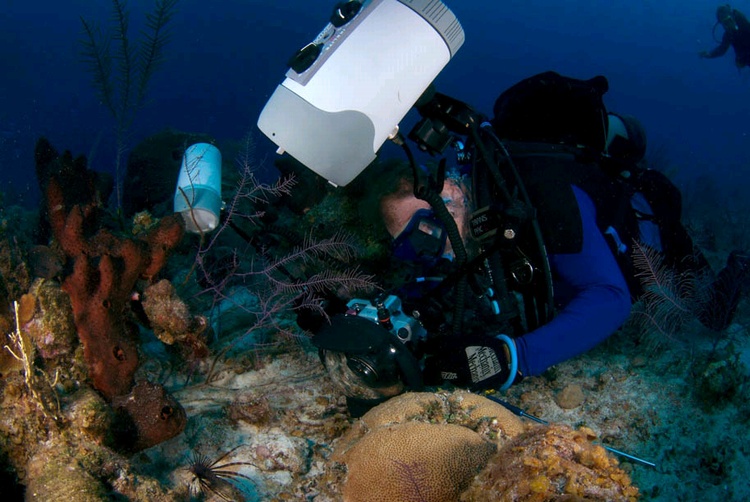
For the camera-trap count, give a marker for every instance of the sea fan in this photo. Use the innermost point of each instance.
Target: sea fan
(122, 88)
(668, 297)
(415, 477)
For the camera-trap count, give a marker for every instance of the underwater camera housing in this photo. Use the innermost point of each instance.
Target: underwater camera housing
(387, 312)
(346, 91)
(365, 350)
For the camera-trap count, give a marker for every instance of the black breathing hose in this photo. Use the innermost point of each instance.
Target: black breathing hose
(432, 196)
(546, 314)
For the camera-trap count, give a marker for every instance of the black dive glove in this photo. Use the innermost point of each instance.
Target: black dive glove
(475, 363)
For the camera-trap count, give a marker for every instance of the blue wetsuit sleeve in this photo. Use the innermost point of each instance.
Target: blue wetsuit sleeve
(598, 303)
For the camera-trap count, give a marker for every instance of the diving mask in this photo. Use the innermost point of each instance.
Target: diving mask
(423, 240)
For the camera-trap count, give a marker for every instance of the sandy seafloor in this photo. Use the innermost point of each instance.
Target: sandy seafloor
(638, 400)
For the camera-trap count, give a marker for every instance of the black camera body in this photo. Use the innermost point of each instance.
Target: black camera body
(365, 350)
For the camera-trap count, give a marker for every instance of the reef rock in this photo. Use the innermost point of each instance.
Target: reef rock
(436, 447)
(552, 463)
(170, 317)
(46, 314)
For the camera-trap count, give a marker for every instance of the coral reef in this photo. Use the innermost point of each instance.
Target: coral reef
(88, 413)
(106, 270)
(170, 319)
(721, 378)
(550, 463)
(86, 472)
(70, 355)
(55, 435)
(57, 477)
(46, 315)
(14, 280)
(150, 413)
(445, 446)
(272, 415)
(428, 446)
(251, 409)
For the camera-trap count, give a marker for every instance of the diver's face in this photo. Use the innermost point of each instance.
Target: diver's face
(399, 208)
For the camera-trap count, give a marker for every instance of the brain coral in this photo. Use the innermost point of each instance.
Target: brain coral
(422, 446)
(414, 461)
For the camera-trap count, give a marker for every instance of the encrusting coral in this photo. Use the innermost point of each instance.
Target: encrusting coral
(84, 471)
(45, 313)
(170, 319)
(549, 463)
(436, 447)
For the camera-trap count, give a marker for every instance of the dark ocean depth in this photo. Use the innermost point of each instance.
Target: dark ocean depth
(225, 59)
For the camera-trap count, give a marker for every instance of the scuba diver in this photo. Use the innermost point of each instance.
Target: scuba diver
(486, 258)
(656, 205)
(736, 33)
(520, 257)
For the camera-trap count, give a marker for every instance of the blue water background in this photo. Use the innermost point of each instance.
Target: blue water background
(226, 57)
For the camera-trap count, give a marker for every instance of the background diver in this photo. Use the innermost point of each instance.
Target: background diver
(736, 33)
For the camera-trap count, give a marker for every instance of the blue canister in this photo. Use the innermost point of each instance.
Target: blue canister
(198, 193)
